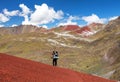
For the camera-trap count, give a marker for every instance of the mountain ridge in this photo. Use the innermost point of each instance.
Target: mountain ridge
(30, 28)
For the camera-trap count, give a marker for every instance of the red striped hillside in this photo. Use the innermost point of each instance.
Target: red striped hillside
(71, 27)
(85, 28)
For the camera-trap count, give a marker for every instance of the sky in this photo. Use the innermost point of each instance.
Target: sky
(52, 13)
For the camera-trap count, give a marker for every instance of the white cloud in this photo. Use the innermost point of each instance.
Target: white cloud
(93, 18)
(73, 18)
(6, 15)
(25, 10)
(10, 13)
(26, 20)
(1, 25)
(69, 21)
(113, 18)
(3, 18)
(44, 14)
(44, 26)
(14, 25)
(25, 13)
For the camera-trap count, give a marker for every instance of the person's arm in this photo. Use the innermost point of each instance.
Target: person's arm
(52, 56)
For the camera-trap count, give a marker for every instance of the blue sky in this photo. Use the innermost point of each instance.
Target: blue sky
(51, 13)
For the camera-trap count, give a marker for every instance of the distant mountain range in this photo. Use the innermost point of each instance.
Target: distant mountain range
(93, 49)
(92, 28)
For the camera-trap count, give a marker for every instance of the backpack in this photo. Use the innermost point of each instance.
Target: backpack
(55, 56)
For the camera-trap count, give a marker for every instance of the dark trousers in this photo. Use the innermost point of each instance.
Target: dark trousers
(54, 62)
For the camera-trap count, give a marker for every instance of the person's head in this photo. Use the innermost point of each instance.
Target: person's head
(56, 51)
(53, 51)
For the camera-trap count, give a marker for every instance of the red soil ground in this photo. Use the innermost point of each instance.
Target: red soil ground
(71, 27)
(14, 69)
(85, 28)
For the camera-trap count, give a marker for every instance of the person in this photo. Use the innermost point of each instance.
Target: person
(55, 58)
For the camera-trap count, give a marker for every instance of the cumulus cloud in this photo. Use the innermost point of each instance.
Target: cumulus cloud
(1, 25)
(73, 18)
(10, 13)
(6, 15)
(93, 18)
(3, 18)
(44, 26)
(14, 25)
(25, 10)
(25, 13)
(69, 21)
(44, 14)
(113, 18)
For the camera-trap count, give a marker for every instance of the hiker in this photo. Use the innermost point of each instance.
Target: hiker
(55, 58)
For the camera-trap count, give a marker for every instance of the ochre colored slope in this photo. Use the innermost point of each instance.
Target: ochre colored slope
(13, 69)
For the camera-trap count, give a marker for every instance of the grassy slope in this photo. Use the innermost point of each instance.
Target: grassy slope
(106, 40)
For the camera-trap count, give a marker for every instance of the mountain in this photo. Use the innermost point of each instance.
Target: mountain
(70, 28)
(85, 30)
(112, 56)
(93, 49)
(107, 42)
(21, 29)
(13, 69)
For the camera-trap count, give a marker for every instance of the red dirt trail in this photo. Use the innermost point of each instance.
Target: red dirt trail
(14, 69)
